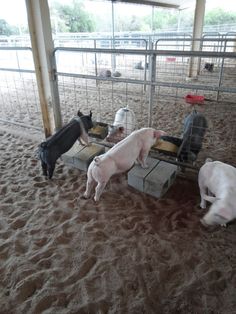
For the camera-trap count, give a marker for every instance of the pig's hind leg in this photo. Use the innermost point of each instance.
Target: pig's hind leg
(89, 185)
(43, 160)
(99, 189)
(203, 192)
(44, 167)
(51, 168)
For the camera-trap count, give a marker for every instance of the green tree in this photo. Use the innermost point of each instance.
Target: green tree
(71, 18)
(218, 16)
(6, 29)
(163, 19)
(186, 18)
(128, 23)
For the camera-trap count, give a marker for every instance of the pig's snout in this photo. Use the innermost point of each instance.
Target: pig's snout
(108, 138)
(209, 221)
(204, 223)
(159, 133)
(211, 225)
(163, 133)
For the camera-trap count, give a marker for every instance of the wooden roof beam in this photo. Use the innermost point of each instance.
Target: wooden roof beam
(151, 2)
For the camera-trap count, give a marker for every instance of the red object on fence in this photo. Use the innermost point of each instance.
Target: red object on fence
(194, 99)
(170, 59)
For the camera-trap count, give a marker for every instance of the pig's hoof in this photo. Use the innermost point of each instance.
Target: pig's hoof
(224, 225)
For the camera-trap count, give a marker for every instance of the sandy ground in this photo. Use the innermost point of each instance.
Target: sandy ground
(130, 253)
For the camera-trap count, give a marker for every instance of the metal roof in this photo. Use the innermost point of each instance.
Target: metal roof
(175, 4)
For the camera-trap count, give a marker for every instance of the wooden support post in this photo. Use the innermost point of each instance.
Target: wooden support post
(42, 46)
(152, 78)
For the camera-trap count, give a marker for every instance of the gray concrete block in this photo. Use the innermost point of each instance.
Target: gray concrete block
(160, 179)
(83, 158)
(68, 157)
(137, 174)
(80, 156)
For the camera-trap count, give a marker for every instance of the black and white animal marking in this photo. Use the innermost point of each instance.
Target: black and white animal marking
(60, 142)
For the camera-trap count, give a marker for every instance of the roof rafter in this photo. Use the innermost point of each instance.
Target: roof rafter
(152, 3)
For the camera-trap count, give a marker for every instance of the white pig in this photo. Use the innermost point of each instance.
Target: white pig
(123, 125)
(218, 180)
(120, 158)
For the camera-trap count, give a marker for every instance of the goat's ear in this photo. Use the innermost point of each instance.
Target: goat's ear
(90, 114)
(79, 113)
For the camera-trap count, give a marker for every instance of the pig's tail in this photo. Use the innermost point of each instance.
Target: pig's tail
(97, 160)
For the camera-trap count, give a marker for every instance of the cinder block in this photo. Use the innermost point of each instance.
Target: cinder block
(83, 158)
(68, 157)
(80, 156)
(137, 174)
(159, 180)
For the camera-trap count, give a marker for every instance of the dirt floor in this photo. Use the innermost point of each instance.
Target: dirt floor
(130, 253)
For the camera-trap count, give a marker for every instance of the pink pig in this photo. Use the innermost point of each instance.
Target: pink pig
(120, 158)
(219, 180)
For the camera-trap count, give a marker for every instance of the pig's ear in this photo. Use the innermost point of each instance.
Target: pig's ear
(210, 199)
(121, 129)
(225, 213)
(158, 134)
(90, 114)
(79, 113)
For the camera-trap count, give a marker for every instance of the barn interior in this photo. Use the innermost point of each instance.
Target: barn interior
(131, 252)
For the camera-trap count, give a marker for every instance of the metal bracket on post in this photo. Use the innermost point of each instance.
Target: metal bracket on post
(221, 72)
(152, 80)
(113, 57)
(55, 94)
(149, 45)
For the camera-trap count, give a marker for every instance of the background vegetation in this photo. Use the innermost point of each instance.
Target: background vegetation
(75, 18)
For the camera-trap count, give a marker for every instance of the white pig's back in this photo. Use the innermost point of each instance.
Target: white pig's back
(221, 177)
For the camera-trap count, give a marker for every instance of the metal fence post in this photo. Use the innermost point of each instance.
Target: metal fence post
(152, 78)
(221, 72)
(55, 94)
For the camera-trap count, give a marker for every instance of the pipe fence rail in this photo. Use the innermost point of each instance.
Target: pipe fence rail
(19, 100)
